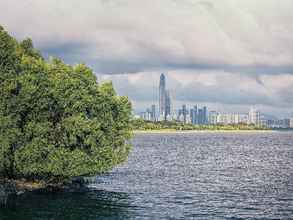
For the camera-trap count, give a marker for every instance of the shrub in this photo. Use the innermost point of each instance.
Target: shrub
(56, 122)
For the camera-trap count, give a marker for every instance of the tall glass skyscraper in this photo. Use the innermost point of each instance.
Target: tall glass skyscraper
(167, 103)
(164, 99)
(162, 96)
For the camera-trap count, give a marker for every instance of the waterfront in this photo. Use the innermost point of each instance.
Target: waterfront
(204, 175)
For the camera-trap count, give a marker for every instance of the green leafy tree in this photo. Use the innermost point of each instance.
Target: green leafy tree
(56, 122)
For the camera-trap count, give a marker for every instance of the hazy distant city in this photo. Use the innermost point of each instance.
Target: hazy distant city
(162, 110)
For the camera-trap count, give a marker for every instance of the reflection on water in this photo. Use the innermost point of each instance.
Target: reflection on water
(183, 176)
(91, 205)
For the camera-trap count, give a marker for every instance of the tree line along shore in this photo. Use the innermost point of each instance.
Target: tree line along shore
(140, 125)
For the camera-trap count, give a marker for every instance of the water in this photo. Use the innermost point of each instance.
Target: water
(183, 176)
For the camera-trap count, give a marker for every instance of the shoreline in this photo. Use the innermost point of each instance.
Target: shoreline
(12, 188)
(199, 131)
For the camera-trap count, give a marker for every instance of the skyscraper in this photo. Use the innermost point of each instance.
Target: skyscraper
(167, 103)
(162, 96)
(164, 100)
(200, 116)
(254, 116)
(205, 113)
(153, 113)
(184, 112)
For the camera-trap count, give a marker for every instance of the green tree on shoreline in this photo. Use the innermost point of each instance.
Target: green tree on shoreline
(56, 122)
(140, 124)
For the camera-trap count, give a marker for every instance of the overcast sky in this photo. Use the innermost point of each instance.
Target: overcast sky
(227, 54)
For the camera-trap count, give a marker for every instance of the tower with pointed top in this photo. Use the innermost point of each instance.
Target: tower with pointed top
(162, 96)
(165, 108)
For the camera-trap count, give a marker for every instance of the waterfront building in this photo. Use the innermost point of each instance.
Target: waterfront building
(153, 113)
(254, 116)
(243, 118)
(162, 96)
(229, 118)
(284, 123)
(168, 104)
(188, 119)
(205, 115)
(202, 117)
(165, 102)
(180, 118)
(213, 115)
(193, 115)
(184, 112)
(147, 115)
(224, 118)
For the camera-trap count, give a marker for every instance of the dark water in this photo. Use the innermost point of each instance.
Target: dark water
(183, 176)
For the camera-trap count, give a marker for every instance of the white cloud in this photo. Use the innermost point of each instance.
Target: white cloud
(218, 90)
(161, 33)
(228, 52)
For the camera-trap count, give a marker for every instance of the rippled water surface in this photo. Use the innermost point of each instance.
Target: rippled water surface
(183, 176)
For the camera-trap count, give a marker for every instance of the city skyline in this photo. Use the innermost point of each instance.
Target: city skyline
(176, 105)
(251, 66)
(162, 110)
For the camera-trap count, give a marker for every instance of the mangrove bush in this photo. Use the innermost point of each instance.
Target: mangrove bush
(56, 121)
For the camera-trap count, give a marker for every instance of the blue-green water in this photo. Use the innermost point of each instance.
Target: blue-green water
(182, 176)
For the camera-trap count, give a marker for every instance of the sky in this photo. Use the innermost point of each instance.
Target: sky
(226, 54)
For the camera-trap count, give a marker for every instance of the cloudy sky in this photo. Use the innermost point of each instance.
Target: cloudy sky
(226, 54)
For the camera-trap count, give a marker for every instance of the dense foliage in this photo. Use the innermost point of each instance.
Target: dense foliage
(140, 124)
(56, 122)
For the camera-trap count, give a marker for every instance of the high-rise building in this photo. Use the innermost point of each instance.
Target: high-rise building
(165, 104)
(254, 116)
(291, 121)
(202, 117)
(146, 115)
(153, 113)
(205, 115)
(162, 96)
(184, 113)
(228, 118)
(193, 115)
(191, 112)
(213, 115)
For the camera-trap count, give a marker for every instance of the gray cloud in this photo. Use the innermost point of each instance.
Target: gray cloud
(229, 52)
(212, 87)
(125, 36)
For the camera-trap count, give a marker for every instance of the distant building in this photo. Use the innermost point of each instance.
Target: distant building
(205, 115)
(202, 117)
(285, 123)
(243, 118)
(180, 116)
(225, 118)
(279, 123)
(153, 113)
(254, 116)
(183, 114)
(168, 104)
(165, 104)
(291, 121)
(194, 115)
(213, 116)
(162, 96)
(145, 115)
